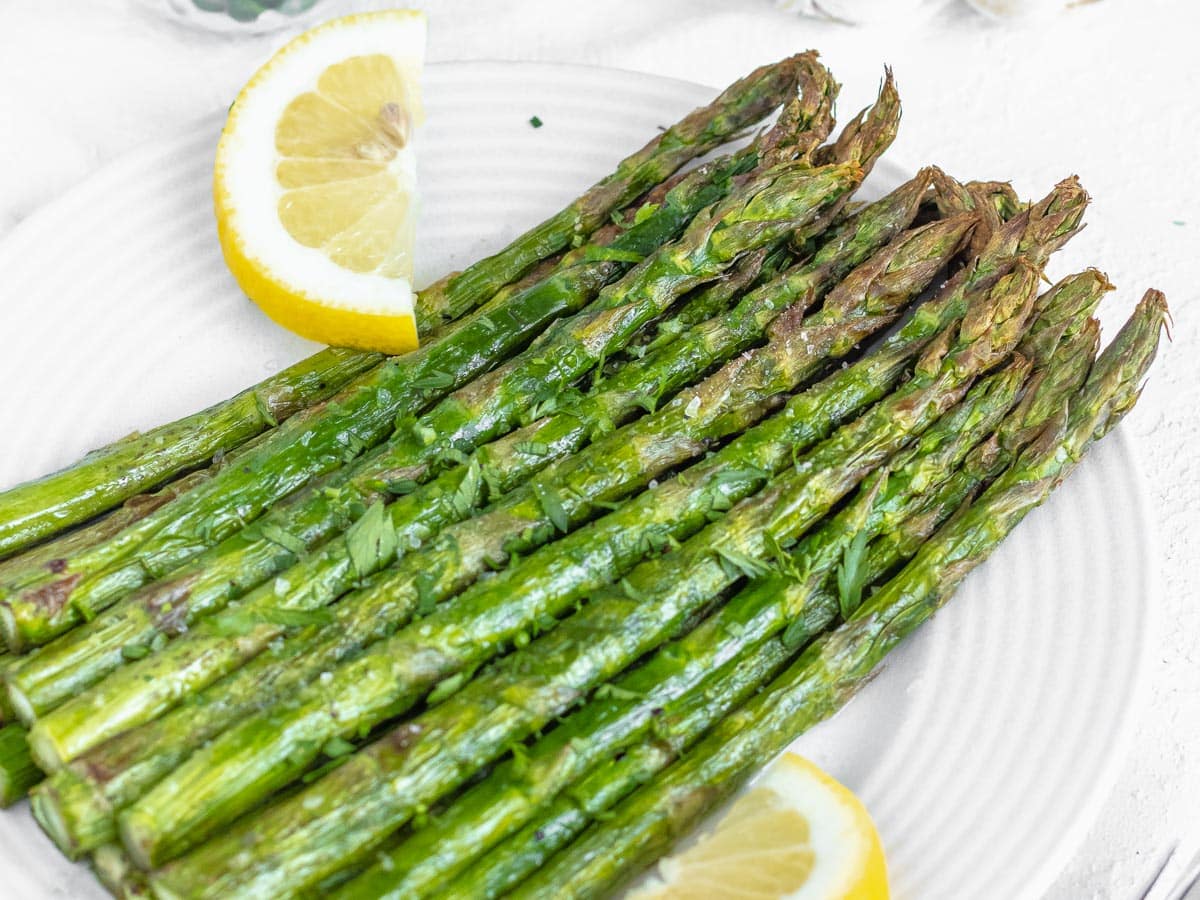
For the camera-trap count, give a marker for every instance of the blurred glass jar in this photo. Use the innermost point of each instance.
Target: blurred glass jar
(893, 12)
(237, 16)
(866, 12)
(1023, 9)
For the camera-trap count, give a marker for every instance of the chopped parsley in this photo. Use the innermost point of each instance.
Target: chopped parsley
(852, 575)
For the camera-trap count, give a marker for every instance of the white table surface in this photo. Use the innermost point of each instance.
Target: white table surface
(1109, 91)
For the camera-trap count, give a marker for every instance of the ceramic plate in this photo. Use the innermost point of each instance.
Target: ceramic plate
(982, 749)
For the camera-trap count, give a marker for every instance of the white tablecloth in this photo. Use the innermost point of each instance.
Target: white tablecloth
(1110, 91)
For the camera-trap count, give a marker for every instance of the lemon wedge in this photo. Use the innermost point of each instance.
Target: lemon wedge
(315, 181)
(796, 834)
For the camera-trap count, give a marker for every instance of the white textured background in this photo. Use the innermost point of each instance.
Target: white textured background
(1109, 91)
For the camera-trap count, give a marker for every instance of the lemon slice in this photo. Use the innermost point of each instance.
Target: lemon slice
(796, 834)
(315, 181)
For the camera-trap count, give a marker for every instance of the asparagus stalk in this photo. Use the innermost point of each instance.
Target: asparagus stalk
(338, 431)
(46, 506)
(104, 478)
(720, 405)
(1075, 340)
(359, 417)
(247, 559)
(676, 728)
(868, 298)
(31, 565)
(741, 104)
(305, 838)
(18, 772)
(866, 301)
(107, 778)
(113, 781)
(747, 390)
(507, 462)
(712, 300)
(7, 713)
(763, 213)
(457, 835)
(1000, 194)
(888, 552)
(1061, 343)
(115, 870)
(861, 130)
(35, 562)
(754, 271)
(515, 790)
(831, 670)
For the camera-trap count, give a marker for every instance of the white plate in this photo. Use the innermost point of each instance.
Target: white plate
(984, 747)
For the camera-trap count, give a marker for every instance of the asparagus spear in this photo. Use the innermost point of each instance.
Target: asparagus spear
(677, 508)
(1062, 331)
(304, 838)
(513, 792)
(663, 371)
(46, 506)
(37, 509)
(866, 138)
(858, 128)
(738, 472)
(676, 728)
(34, 562)
(867, 300)
(336, 432)
(831, 670)
(1000, 194)
(1037, 232)
(765, 212)
(82, 657)
(741, 104)
(715, 299)
(752, 273)
(18, 772)
(31, 565)
(221, 574)
(888, 552)
(116, 871)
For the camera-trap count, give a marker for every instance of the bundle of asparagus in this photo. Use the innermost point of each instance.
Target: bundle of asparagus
(657, 494)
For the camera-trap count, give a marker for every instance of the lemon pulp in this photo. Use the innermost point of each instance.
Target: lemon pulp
(796, 835)
(315, 182)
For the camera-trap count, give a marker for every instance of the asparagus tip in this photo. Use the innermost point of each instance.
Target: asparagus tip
(1156, 300)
